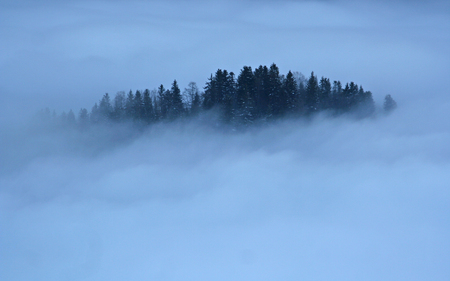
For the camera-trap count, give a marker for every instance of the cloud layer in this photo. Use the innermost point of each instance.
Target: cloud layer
(298, 200)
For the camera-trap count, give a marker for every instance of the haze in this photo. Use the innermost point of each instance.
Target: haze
(325, 199)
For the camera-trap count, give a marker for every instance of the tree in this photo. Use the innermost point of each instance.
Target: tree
(196, 105)
(336, 100)
(290, 94)
(389, 104)
(274, 87)
(163, 102)
(311, 94)
(129, 105)
(71, 121)
(138, 105)
(189, 94)
(105, 109)
(95, 114)
(148, 113)
(119, 106)
(245, 96)
(83, 118)
(175, 101)
(324, 93)
(262, 92)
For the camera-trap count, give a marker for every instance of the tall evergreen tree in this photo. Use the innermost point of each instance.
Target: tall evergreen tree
(262, 90)
(175, 101)
(245, 96)
(350, 95)
(389, 104)
(148, 113)
(311, 95)
(163, 102)
(129, 106)
(324, 93)
(94, 116)
(290, 93)
(119, 106)
(83, 118)
(274, 85)
(71, 121)
(209, 94)
(366, 105)
(105, 108)
(138, 106)
(196, 105)
(337, 97)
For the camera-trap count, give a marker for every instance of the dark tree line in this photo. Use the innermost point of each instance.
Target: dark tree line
(262, 94)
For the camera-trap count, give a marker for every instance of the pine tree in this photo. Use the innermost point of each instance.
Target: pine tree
(119, 106)
(337, 97)
(105, 109)
(95, 114)
(175, 101)
(129, 106)
(324, 93)
(196, 105)
(389, 104)
(71, 121)
(274, 85)
(83, 118)
(148, 114)
(262, 92)
(367, 104)
(311, 94)
(245, 96)
(290, 94)
(163, 102)
(138, 104)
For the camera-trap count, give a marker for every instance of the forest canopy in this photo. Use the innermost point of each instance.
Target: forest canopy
(258, 95)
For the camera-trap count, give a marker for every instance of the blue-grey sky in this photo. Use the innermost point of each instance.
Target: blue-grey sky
(68, 54)
(329, 199)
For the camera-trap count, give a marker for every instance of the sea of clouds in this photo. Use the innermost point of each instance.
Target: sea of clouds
(320, 199)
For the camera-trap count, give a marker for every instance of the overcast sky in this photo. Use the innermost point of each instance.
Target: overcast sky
(68, 54)
(334, 199)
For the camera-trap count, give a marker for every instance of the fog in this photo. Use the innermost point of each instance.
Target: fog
(320, 199)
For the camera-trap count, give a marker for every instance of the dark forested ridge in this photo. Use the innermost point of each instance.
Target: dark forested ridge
(258, 95)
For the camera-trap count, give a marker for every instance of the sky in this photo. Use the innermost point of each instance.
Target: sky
(328, 199)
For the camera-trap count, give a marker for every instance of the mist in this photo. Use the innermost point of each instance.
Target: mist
(320, 199)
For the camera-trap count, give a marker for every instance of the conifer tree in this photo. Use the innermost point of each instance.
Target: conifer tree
(324, 93)
(262, 90)
(311, 95)
(196, 105)
(274, 85)
(245, 96)
(119, 106)
(163, 102)
(71, 121)
(337, 97)
(105, 108)
(175, 101)
(389, 104)
(138, 104)
(148, 113)
(95, 114)
(129, 106)
(83, 118)
(209, 94)
(290, 94)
